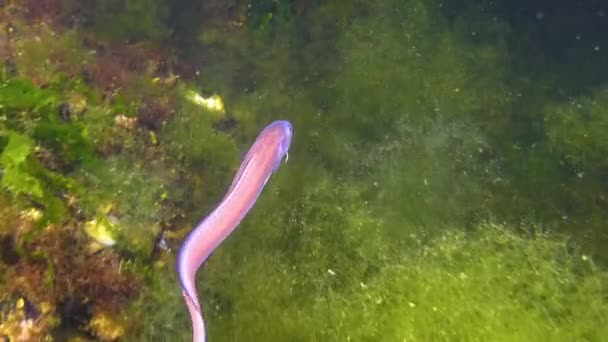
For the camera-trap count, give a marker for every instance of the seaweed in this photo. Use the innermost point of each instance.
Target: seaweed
(411, 142)
(73, 284)
(22, 175)
(70, 157)
(118, 20)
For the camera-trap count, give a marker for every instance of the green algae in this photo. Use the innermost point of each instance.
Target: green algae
(70, 158)
(575, 130)
(67, 124)
(399, 143)
(15, 178)
(455, 286)
(473, 287)
(336, 274)
(24, 176)
(372, 229)
(158, 312)
(117, 20)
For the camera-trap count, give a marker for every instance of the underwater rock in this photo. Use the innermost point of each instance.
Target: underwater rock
(125, 122)
(100, 231)
(75, 105)
(24, 322)
(8, 253)
(213, 103)
(65, 113)
(107, 327)
(153, 114)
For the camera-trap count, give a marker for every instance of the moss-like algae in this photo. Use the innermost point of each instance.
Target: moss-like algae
(376, 229)
(69, 156)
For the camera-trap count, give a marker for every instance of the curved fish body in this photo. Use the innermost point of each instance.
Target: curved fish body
(261, 161)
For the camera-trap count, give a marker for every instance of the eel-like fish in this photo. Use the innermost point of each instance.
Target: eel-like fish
(261, 161)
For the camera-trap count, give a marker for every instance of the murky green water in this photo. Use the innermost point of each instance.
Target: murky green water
(446, 181)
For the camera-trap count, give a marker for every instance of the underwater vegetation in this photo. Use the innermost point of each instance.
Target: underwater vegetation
(80, 173)
(458, 286)
(434, 190)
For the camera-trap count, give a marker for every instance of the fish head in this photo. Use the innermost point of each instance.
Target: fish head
(277, 137)
(287, 131)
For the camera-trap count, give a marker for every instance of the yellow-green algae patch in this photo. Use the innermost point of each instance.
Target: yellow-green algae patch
(486, 285)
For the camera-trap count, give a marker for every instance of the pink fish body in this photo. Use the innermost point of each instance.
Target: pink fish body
(260, 162)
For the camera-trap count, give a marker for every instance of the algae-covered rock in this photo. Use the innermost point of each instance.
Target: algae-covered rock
(212, 103)
(107, 327)
(101, 231)
(24, 321)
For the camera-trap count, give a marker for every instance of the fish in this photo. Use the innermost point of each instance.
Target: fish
(260, 162)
